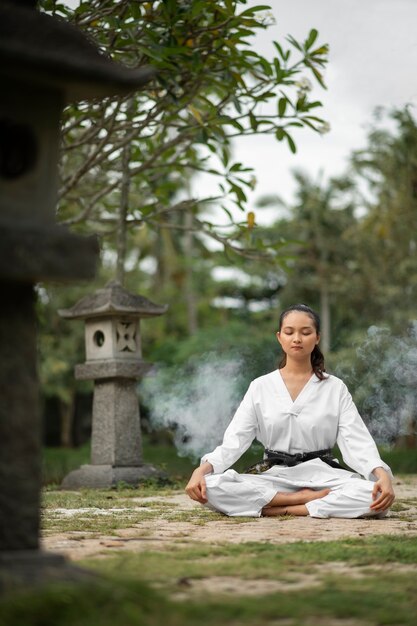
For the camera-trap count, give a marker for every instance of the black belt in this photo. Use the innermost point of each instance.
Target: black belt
(274, 457)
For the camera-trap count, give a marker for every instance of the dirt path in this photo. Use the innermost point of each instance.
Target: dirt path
(159, 533)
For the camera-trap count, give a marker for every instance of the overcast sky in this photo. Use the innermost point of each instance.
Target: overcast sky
(372, 62)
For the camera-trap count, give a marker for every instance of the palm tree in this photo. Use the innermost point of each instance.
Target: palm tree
(318, 221)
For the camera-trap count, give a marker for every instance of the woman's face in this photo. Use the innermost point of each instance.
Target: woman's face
(298, 335)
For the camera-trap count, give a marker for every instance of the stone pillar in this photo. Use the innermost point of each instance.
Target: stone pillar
(20, 472)
(116, 436)
(44, 64)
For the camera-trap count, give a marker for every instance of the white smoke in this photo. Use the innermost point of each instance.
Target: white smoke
(196, 401)
(384, 381)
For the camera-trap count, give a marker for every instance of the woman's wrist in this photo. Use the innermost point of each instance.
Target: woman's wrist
(203, 469)
(380, 472)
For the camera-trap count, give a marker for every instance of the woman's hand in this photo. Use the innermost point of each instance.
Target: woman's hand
(196, 488)
(383, 493)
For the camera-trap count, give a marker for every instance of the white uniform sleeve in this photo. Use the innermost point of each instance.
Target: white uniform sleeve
(237, 438)
(355, 442)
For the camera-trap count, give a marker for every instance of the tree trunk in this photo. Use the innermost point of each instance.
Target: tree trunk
(124, 205)
(190, 296)
(325, 318)
(67, 421)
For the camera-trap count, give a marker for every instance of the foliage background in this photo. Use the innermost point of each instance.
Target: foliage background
(126, 174)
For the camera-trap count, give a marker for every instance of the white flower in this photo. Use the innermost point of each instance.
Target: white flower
(304, 85)
(266, 18)
(324, 128)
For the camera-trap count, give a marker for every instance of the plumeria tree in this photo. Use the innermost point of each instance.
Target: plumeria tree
(125, 161)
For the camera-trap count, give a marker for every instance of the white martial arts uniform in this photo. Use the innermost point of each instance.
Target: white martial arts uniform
(323, 414)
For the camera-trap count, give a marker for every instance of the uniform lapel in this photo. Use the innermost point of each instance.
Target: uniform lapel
(303, 396)
(298, 404)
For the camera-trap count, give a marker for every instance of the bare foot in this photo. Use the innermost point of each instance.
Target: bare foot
(307, 495)
(297, 497)
(276, 511)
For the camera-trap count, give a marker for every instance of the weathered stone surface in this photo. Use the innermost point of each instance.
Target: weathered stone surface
(43, 50)
(116, 435)
(96, 370)
(107, 476)
(114, 362)
(29, 152)
(113, 300)
(34, 253)
(33, 567)
(20, 430)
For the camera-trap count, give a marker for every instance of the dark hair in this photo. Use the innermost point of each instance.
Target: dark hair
(317, 358)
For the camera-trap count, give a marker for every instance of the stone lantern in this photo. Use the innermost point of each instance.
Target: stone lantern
(45, 63)
(114, 361)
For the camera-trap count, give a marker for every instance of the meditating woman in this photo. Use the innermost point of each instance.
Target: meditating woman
(298, 412)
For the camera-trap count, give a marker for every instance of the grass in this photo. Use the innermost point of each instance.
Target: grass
(124, 593)
(148, 588)
(257, 560)
(105, 511)
(401, 460)
(119, 601)
(105, 498)
(58, 462)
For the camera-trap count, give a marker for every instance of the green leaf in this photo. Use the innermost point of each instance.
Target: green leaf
(237, 167)
(266, 66)
(320, 51)
(279, 49)
(253, 122)
(300, 106)
(277, 66)
(236, 124)
(314, 118)
(83, 7)
(313, 105)
(294, 42)
(309, 124)
(291, 143)
(311, 38)
(238, 191)
(259, 7)
(196, 114)
(228, 213)
(280, 133)
(282, 106)
(237, 105)
(317, 74)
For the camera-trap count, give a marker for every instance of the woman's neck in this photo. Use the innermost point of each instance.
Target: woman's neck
(292, 368)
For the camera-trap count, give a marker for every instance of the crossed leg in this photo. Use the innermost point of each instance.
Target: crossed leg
(292, 503)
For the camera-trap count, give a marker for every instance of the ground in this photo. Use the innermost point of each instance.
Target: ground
(90, 526)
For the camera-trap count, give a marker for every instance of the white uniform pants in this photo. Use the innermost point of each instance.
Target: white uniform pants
(246, 494)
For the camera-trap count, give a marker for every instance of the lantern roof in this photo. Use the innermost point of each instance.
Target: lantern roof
(111, 301)
(47, 51)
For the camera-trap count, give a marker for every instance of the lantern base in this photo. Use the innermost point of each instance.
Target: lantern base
(107, 476)
(35, 567)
